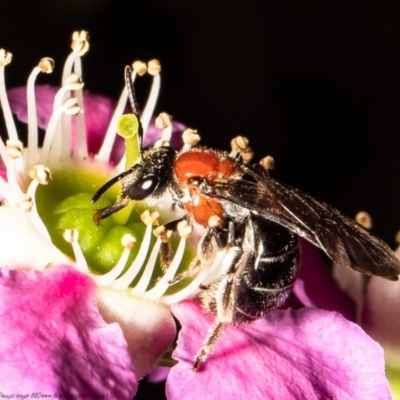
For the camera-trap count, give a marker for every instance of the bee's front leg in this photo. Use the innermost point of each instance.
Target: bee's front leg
(164, 232)
(216, 237)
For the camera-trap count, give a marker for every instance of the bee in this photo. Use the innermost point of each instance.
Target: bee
(255, 218)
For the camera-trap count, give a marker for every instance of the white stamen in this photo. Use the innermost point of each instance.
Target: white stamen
(14, 148)
(143, 283)
(125, 280)
(32, 148)
(52, 141)
(71, 236)
(11, 129)
(193, 288)
(34, 218)
(79, 45)
(163, 284)
(154, 69)
(215, 271)
(5, 58)
(107, 279)
(164, 121)
(24, 202)
(40, 173)
(73, 82)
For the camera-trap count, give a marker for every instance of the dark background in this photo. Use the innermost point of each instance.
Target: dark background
(313, 83)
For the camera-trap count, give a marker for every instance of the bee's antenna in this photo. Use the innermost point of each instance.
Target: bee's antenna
(133, 102)
(110, 183)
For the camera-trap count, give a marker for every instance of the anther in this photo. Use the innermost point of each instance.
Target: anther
(73, 82)
(41, 173)
(190, 137)
(46, 65)
(162, 233)
(80, 42)
(153, 67)
(5, 57)
(240, 145)
(139, 67)
(24, 202)
(149, 218)
(364, 219)
(71, 235)
(128, 241)
(163, 120)
(184, 229)
(268, 162)
(214, 221)
(72, 106)
(397, 237)
(14, 148)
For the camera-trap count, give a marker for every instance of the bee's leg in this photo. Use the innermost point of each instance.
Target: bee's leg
(208, 345)
(107, 211)
(205, 251)
(164, 232)
(220, 297)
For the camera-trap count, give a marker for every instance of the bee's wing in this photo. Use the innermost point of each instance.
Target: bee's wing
(343, 240)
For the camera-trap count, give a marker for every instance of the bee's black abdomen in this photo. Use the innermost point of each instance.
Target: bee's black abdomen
(265, 284)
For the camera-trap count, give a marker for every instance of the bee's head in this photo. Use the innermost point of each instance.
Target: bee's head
(149, 177)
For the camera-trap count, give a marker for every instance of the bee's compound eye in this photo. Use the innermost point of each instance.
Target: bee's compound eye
(143, 188)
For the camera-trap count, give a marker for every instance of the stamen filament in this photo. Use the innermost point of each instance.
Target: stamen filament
(32, 146)
(74, 64)
(8, 118)
(81, 264)
(151, 102)
(34, 215)
(10, 125)
(193, 288)
(142, 285)
(126, 279)
(52, 141)
(12, 178)
(108, 278)
(163, 284)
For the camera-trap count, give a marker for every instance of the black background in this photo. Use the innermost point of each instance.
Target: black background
(313, 83)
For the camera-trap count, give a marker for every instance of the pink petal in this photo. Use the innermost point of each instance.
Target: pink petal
(321, 289)
(305, 354)
(149, 328)
(45, 98)
(53, 340)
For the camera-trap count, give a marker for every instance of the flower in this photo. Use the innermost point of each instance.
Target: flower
(292, 353)
(35, 220)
